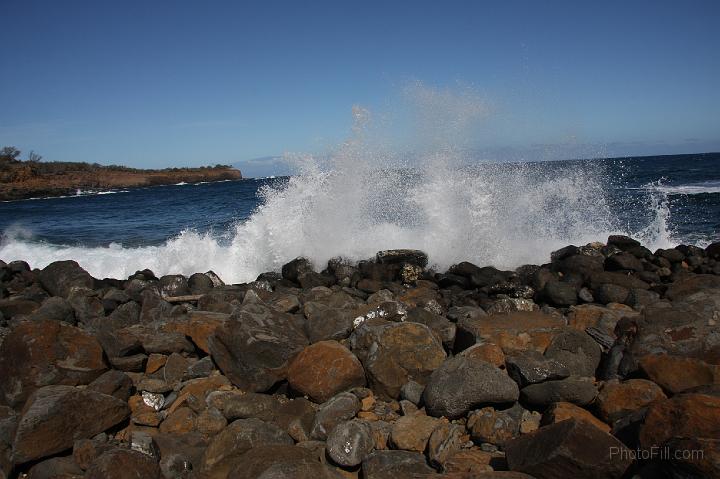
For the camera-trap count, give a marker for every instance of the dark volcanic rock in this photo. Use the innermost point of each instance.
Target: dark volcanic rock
(295, 268)
(41, 353)
(253, 348)
(55, 309)
(580, 391)
(623, 261)
(280, 462)
(350, 443)
(462, 383)
(567, 450)
(338, 409)
(396, 256)
(531, 367)
(56, 416)
(576, 350)
(325, 322)
(610, 293)
(560, 293)
(113, 383)
(395, 464)
(123, 463)
(60, 277)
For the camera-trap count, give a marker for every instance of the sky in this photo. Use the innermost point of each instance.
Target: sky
(185, 83)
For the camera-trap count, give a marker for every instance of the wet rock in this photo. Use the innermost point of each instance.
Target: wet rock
(462, 383)
(676, 374)
(576, 350)
(324, 369)
(576, 390)
(617, 399)
(123, 463)
(239, 437)
(394, 464)
(338, 409)
(41, 353)
(55, 416)
(199, 283)
(253, 348)
(568, 449)
(560, 293)
(561, 411)
(509, 305)
(623, 262)
(399, 256)
(295, 268)
(350, 443)
(531, 367)
(411, 433)
(394, 353)
(61, 277)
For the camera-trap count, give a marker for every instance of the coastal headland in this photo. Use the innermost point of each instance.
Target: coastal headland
(603, 362)
(38, 179)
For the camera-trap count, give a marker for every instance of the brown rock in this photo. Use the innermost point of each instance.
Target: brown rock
(494, 426)
(561, 411)
(154, 363)
(180, 421)
(474, 461)
(411, 433)
(618, 399)
(123, 464)
(676, 374)
(445, 440)
(488, 352)
(324, 369)
(41, 353)
(198, 326)
(56, 416)
(686, 415)
(568, 450)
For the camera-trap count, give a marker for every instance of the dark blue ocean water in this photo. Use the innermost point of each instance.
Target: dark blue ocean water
(680, 192)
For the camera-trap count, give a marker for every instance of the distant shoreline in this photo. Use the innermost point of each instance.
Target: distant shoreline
(23, 180)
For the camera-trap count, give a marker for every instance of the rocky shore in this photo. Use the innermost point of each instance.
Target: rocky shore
(602, 363)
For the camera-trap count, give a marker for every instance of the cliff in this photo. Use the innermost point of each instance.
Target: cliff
(32, 179)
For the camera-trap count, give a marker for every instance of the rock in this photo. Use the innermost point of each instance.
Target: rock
(113, 383)
(531, 367)
(611, 293)
(56, 416)
(325, 322)
(243, 406)
(324, 369)
(395, 464)
(179, 421)
(122, 464)
(576, 390)
(488, 352)
(55, 468)
(562, 411)
(690, 285)
(623, 262)
(462, 383)
(445, 440)
(55, 309)
(198, 326)
(394, 353)
(494, 426)
(576, 350)
(513, 331)
(443, 329)
(473, 462)
(295, 268)
(350, 443)
(412, 392)
(41, 353)
(61, 277)
(12, 307)
(253, 348)
(676, 374)
(200, 283)
(411, 433)
(617, 399)
(240, 436)
(399, 256)
(210, 421)
(684, 423)
(622, 242)
(338, 409)
(280, 462)
(568, 449)
(560, 293)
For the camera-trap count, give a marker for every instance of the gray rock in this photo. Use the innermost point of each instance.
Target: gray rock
(56, 309)
(350, 443)
(412, 392)
(611, 293)
(531, 367)
(61, 277)
(325, 322)
(560, 293)
(462, 383)
(395, 464)
(576, 390)
(623, 262)
(576, 350)
(332, 412)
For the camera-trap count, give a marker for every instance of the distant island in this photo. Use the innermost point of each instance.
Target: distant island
(33, 178)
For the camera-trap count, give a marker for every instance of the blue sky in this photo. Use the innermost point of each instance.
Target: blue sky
(174, 83)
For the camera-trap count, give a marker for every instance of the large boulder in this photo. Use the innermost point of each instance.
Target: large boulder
(280, 462)
(395, 353)
(576, 390)
(512, 331)
(254, 347)
(350, 442)
(395, 464)
(123, 463)
(41, 353)
(462, 383)
(567, 450)
(61, 277)
(576, 350)
(56, 416)
(324, 369)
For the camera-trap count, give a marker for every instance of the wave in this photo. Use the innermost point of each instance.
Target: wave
(705, 187)
(362, 199)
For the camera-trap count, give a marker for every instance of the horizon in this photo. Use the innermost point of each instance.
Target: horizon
(171, 85)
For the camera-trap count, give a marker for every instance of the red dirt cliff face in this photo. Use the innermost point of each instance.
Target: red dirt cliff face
(21, 180)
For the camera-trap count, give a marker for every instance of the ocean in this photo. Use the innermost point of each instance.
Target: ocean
(504, 214)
